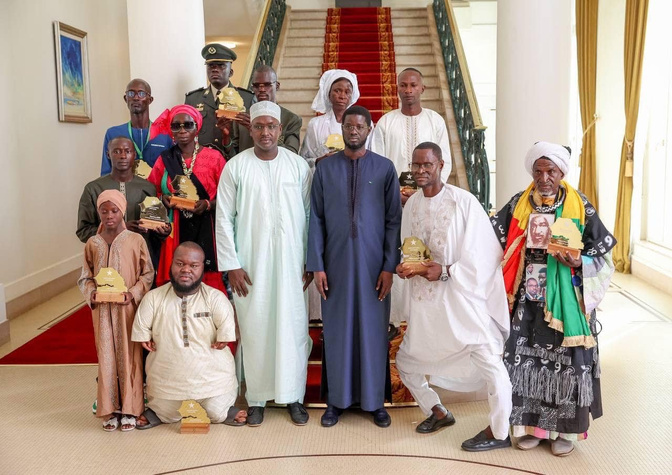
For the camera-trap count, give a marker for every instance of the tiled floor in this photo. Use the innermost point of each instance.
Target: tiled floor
(48, 427)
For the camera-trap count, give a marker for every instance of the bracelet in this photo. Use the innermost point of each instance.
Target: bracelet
(208, 208)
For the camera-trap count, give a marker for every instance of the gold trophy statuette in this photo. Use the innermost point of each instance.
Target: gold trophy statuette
(230, 103)
(185, 196)
(335, 143)
(414, 253)
(194, 418)
(565, 237)
(110, 286)
(153, 214)
(142, 169)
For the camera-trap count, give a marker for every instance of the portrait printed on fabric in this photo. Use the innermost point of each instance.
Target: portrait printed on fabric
(535, 282)
(539, 230)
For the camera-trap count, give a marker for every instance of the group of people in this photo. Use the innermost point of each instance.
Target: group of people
(286, 223)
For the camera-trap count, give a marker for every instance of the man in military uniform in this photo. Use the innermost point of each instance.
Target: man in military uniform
(218, 62)
(264, 86)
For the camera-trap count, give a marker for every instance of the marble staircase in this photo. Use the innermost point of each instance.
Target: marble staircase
(300, 61)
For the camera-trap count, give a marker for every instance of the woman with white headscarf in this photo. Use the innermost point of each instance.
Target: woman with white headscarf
(338, 91)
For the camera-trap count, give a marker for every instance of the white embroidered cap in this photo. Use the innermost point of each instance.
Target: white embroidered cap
(265, 108)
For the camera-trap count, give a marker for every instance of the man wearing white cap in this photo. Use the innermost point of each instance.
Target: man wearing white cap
(551, 354)
(261, 227)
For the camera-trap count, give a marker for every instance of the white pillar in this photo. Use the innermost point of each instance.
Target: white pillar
(534, 40)
(165, 39)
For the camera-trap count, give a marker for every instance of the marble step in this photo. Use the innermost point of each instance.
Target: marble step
(421, 31)
(403, 48)
(303, 109)
(315, 51)
(288, 84)
(321, 14)
(301, 42)
(396, 22)
(302, 72)
(307, 94)
(291, 82)
(409, 13)
(405, 60)
(305, 33)
(308, 14)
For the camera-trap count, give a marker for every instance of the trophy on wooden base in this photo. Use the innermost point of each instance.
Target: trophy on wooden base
(142, 169)
(230, 103)
(414, 253)
(565, 237)
(194, 418)
(153, 214)
(185, 196)
(407, 183)
(110, 286)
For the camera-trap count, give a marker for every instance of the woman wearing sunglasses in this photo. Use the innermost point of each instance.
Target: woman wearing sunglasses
(203, 166)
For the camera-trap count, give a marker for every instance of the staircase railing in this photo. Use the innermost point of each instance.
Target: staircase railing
(266, 38)
(469, 125)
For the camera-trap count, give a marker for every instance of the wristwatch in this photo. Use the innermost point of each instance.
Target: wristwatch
(444, 274)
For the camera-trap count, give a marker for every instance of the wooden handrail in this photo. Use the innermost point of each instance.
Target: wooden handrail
(464, 67)
(254, 50)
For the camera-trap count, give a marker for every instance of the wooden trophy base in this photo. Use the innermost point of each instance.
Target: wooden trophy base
(109, 297)
(552, 248)
(183, 203)
(415, 266)
(194, 428)
(229, 114)
(151, 224)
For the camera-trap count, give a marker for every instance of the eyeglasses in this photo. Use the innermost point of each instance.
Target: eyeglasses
(262, 85)
(271, 127)
(358, 128)
(188, 126)
(427, 166)
(141, 94)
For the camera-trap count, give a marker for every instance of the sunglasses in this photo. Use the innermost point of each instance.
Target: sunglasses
(189, 126)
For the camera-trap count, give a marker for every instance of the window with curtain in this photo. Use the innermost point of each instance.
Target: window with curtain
(657, 167)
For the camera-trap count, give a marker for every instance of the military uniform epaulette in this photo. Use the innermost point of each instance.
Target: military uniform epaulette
(196, 90)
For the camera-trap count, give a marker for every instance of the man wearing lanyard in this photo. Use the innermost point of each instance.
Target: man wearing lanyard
(138, 97)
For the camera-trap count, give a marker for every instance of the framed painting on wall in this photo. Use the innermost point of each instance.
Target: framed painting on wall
(72, 74)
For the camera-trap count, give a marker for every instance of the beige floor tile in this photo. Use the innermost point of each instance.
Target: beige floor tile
(50, 429)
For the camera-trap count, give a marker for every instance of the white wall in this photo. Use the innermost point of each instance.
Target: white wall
(167, 54)
(46, 163)
(477, 22)
(311, 4)
(610, 105)
(406, 3)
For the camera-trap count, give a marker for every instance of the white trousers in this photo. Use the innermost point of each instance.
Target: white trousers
(216, 407)
(491, 368)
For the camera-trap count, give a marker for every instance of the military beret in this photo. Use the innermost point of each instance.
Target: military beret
(214, 52)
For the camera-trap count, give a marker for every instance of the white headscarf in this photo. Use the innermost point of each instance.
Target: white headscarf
(265, 108)
(554, 152)
(321, 103)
